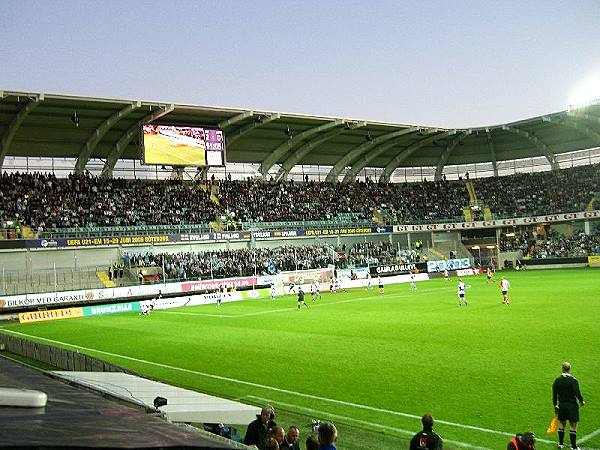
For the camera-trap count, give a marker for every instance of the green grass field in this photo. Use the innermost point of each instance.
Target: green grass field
(374, 364)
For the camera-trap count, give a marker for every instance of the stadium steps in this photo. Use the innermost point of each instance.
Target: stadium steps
(487, 214)
(468, 214)
(471, 191)
(593, 202)
(436, 254)
(27, 232)
(442, 250)
(216, 226)
(105, 280)
(214, 190)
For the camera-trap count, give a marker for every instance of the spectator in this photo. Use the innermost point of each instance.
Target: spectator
(291, 441)
(426, 439)
(271, 444)
(278, 434)
(525, 441)
(327, 436)
(256, 434)
(312, 442)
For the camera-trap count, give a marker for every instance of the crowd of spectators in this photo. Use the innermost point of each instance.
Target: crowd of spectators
(378, 253)
(531, 194)
(45, 202)
(549, 243)
(264, 201)
(234, 263)
(265, 261)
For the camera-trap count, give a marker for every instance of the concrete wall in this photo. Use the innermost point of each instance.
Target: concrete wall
(34, 261)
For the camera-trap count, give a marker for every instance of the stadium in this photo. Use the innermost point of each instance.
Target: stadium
(170, 269)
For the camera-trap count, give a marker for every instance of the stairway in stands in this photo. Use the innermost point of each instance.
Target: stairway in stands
(594, 202)
(475, 204)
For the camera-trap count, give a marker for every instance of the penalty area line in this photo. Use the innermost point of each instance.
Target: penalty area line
(262, 386)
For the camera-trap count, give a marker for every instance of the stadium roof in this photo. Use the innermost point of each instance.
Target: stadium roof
(37, 124)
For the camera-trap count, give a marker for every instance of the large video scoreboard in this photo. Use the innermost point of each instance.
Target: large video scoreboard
(183, 146)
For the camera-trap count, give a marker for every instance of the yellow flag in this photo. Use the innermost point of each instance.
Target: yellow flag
(552, 428)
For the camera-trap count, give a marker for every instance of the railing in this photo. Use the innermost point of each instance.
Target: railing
(58, 280)
(344, 221)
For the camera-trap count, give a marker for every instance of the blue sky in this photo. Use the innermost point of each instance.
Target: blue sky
(446, 63)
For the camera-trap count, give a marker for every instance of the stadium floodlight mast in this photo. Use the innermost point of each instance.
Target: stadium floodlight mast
(587, 94)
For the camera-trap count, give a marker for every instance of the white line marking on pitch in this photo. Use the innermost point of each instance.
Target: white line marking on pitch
(587, 437)
(363, 422)
(261, 386)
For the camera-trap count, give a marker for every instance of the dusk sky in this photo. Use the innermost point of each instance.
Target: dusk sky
(445, 63)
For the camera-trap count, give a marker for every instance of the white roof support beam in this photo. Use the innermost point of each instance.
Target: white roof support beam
(492, 147)
(259, 121)
(537, 143)
(90, 145)
(363, 162)
(361, 149)
(447, 153)
(235, 119)
(201, 173)
(273, 157)
(16, 123)
(408, 151)
(126, 138)
(305, 149)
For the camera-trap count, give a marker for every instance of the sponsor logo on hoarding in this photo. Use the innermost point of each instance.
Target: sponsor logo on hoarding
(450, 264)
(51, 314)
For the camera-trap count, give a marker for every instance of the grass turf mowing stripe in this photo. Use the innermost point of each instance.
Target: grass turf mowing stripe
(269, 388)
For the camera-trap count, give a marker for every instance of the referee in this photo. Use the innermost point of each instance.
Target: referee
(565, 393)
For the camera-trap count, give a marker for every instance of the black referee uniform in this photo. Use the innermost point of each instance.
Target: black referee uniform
(565, 393)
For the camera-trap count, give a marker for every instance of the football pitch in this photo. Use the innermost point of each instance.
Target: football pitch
(373, 364)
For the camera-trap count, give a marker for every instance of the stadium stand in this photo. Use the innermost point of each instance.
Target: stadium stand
(551, 243)
(566, 190)
(44, 202)
(263, 261)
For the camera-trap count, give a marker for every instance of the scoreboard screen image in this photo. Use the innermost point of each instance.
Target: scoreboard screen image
(183, 146)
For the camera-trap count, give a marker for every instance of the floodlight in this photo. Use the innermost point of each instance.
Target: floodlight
(587, 94)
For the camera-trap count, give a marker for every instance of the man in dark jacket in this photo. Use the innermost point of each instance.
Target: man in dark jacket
(525, 441)
(565, 394)
(291, 439)
(258, 429)
(426, 439)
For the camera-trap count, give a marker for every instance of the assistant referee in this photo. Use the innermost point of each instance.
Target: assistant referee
(565, 394)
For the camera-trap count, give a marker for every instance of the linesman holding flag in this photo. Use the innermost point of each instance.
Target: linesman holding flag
(565, 394)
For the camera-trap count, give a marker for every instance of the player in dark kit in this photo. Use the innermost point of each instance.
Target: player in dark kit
(565, 394)
(301, 298)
